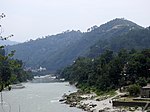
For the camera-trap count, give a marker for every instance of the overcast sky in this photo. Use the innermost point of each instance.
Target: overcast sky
(31, 19)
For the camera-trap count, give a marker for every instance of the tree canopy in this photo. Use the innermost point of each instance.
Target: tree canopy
(110, 70)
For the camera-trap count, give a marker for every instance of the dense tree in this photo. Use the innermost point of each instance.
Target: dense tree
(110, 70)
(134, 39)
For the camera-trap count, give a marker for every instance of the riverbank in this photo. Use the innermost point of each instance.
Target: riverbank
(93, 103)
(89, 102)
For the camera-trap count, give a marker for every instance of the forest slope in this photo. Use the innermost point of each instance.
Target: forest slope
(58, 51)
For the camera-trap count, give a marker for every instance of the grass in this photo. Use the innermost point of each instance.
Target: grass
(87, 89)
(106, 93)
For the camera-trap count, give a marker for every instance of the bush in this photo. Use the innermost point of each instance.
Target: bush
(142, 82)
(134, 90)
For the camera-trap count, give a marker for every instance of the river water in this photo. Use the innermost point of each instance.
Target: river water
(38, 97)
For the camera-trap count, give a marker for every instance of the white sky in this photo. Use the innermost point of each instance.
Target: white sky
(28, 19)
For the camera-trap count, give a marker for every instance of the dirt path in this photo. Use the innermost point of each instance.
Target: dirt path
(104, 104)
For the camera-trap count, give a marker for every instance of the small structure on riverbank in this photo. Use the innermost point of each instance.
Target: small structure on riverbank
(145, 91)
(142, 102)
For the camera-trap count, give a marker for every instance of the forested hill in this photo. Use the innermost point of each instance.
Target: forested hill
(58, 51)
(47, 52)
(110, 70)
(135, 39)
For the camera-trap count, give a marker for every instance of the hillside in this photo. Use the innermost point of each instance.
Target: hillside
(110, 70)
(135, 39)
(58, 51)
(46, 51)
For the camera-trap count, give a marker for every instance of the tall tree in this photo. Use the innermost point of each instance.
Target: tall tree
(5, 69)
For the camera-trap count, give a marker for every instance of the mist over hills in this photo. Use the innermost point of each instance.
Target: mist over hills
(58, 51)
(8, 42)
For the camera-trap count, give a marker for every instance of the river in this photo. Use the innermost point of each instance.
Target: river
(38, 97)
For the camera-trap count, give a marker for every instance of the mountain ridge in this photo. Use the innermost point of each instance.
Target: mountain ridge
(58, 51)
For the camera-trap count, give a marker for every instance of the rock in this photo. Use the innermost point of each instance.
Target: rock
(93, 105)
(101, 110)
(62, 100)
(107, 108)
(93, 110)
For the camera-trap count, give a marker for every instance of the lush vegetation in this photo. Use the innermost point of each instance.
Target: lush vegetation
(134, 90)
(58, 51)
(11, 71)
(137, 39)
(110, 70)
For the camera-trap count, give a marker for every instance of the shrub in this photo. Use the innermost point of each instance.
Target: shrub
(134, 90)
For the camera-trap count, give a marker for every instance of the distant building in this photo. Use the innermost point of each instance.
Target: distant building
(145, 91)
(41, 69)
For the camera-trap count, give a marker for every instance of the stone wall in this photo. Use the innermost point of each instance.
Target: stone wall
(129, 104)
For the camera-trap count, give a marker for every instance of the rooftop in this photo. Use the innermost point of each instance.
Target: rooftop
(146, 87)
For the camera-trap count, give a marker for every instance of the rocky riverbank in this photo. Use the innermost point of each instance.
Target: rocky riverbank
(89, 102)
(93, 103)
(75, 100)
